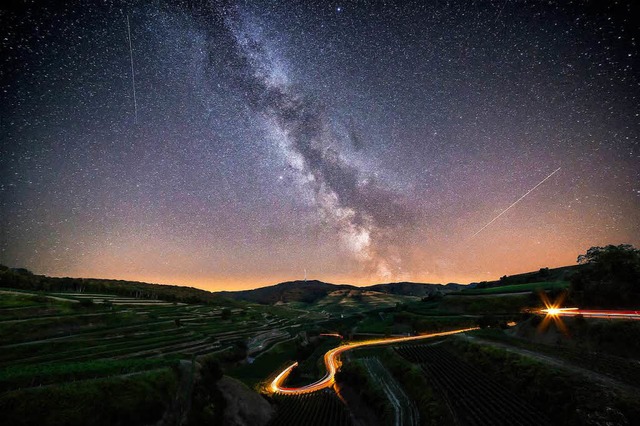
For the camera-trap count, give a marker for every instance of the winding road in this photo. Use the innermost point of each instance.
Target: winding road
(332, 363)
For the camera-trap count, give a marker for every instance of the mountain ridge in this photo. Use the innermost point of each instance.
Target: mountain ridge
(309, 291)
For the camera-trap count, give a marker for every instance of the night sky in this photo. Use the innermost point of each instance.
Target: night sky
(361, 141)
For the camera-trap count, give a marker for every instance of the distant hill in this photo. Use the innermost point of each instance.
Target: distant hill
(312, 291)
(307, 292)
(20, 278)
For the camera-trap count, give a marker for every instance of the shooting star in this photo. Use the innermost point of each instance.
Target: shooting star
(500, 12)
(516, 202)
(133, 77)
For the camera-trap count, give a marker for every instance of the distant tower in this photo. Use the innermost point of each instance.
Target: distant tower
(305, 275)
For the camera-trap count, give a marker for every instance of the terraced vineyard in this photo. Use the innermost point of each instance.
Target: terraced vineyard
(473, 398)
(311, 409)
(622, 369)
(405, 411)
(61, 328)
(65, 357)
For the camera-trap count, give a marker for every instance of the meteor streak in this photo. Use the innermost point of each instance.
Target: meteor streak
(516, 202)
(133, 78)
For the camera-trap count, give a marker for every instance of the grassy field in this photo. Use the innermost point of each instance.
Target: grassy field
(347, 302)
(489, 304)
(266, 364)
(515, 288)
(376, 323)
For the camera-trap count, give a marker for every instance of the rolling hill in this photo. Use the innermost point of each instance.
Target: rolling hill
(414, 289)
(313, 291)
(290, 291)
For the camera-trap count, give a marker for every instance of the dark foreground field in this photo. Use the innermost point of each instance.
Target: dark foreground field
(120, 354)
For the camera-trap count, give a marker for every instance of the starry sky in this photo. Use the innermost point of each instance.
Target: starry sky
(357, 142)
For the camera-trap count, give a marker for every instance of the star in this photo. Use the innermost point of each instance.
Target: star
(262, 138)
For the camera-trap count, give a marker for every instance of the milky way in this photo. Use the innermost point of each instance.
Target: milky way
(363, 141)
(354, 205)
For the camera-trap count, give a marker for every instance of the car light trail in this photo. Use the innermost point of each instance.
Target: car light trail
(332, 362)
(339, 336)
(587, 313)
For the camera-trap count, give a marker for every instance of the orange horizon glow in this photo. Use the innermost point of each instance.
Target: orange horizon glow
(225, 283)
(459, 261)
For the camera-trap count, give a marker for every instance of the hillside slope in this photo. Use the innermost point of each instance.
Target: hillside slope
(313, 291)
(290, 291)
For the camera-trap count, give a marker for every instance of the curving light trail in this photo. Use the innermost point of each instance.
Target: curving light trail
(332, 362)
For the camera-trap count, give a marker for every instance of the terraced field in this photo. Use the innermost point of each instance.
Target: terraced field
(54, 329)
(312, 409)
(76, 350)
(347, 302)
(473, 398)
(625, 370)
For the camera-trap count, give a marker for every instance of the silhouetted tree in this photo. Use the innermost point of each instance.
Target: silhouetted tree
(611, 278)
(482, 284)
(543, 273)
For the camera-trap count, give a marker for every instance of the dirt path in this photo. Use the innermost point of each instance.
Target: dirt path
(19, 293)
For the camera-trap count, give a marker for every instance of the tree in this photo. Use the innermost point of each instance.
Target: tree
(611, 256)
(610, 279)
(544, 273)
